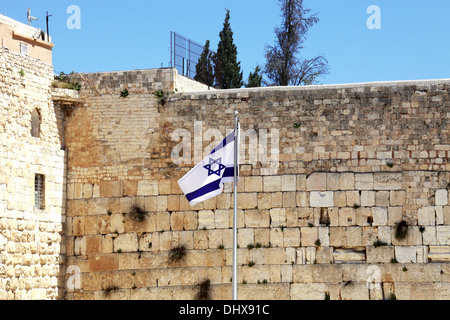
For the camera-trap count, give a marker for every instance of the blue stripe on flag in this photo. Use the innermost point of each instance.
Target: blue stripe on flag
(215, 185)
(227, 140)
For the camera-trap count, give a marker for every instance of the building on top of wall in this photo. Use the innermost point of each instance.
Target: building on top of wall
(27, 40)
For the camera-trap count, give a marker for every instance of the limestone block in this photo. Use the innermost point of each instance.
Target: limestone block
(291, 237)
(443, 235)
(338, 236)
(441, 197)
(405, 254)
(177, 221)
(309, 236)
(348, 256)
(382, 254)
(317, 182)
(272, 183)
(222, 219)
(110, 189)
(347, 181)
(147, 188)
(364, 181)
(278, 217)
(446, 214)
(380, 216)
(247, 200)
(302, 199)
(387, 181)
(439, 253)
(126, 243)
(190, 220)
(354, 236)
(439, 211)
(308, 291)
(276, 237)
(324, 236)
(288, 183)
(200, 239)
(347, 216)
(289, 200)
(206, 219)
(97, 207)
(397, 198)
(355, 291)
(426, 216)
(253, 184)
(353, 198)
(333, 181)
(382, 199)
(322, 199)
(246, 236)
(367, 198)
(162, 221)
(340, 198)
(257, 218)
(429, 235)
(301, 182)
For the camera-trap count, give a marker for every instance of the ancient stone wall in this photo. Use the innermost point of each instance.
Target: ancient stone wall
(31, 236)
(344, 194)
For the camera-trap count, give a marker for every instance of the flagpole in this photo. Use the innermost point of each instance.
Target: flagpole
(236, 168)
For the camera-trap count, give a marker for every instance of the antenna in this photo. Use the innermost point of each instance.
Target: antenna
(48, 32)
(29, 17)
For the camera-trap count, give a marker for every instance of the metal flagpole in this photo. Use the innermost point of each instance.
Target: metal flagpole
(236, 168)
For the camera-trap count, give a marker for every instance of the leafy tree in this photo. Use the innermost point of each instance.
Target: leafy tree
(254, 78)
(283, 66)
(204, 69)
(227, 72)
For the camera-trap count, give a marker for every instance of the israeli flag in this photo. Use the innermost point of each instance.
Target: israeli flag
(206, 179)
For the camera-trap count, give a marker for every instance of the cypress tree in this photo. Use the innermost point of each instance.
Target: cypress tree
(204, 71)
(228, 72)
(254, 79)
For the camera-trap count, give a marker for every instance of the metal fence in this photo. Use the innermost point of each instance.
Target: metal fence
(184, 54)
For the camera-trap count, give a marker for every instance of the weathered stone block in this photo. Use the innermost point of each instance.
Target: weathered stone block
(364, 181)
(443, 235)
(347, 181)
(288, 183)
(322, 199)
(387, 181)
(426, 216)
(309, 236)
(397, 198)
(278, 217)
(406, 254)
(333, 181)
(317, 182)
(367, 198)
(272, 183)
(348, 256)
(206, 219)
(257, 219)
(253, 184)
(147, 188)
(441, 197)
(380, 216)
(382, 199)
(383, 254)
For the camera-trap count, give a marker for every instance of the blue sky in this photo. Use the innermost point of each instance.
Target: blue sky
(413, 42)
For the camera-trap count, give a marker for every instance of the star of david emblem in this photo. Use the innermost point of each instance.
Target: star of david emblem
(212, 162)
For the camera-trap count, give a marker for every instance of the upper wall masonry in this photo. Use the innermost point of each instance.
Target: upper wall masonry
(27, 40)
(137, 82)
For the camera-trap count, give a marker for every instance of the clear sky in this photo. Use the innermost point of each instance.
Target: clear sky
(413, 42)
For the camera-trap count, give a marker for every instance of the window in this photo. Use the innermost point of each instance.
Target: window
(24, 48)
(35, 123)
(39, 191)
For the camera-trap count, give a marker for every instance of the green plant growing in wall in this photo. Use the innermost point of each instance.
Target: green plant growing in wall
(137, 214)
(204, 290)
(124, 93)
(161, 97)
(379, 243)
(22, 72)
(177, 253)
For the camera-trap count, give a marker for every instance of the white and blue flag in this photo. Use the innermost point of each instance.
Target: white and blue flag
(206, 179)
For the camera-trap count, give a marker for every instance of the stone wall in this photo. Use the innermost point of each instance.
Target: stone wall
(338, 170)
(31, 240)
